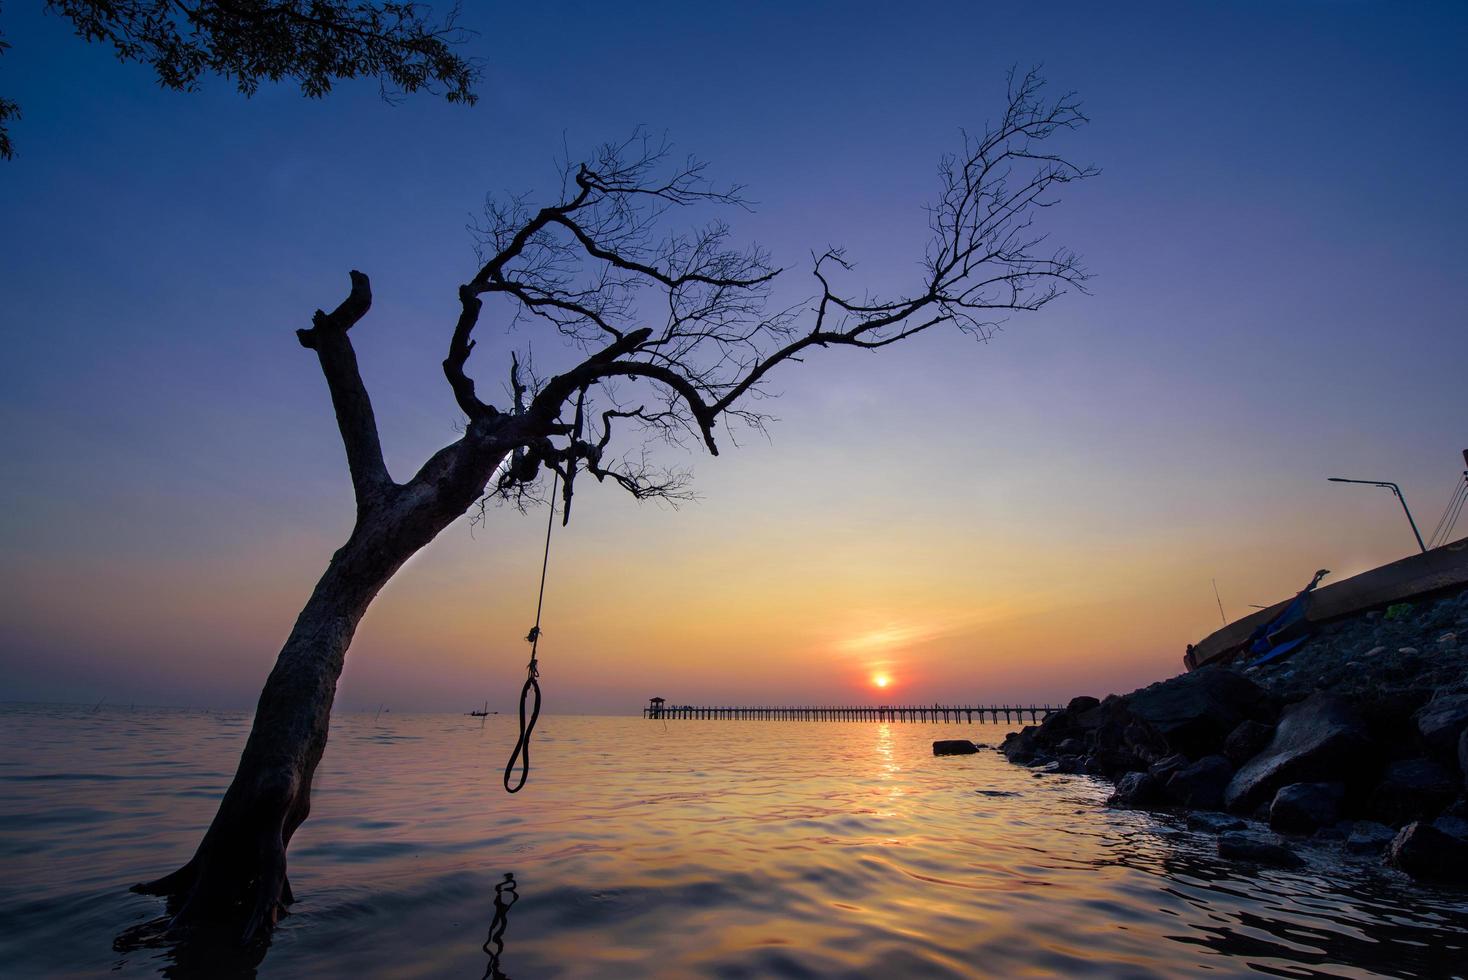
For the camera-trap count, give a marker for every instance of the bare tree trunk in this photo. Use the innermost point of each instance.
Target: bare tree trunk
(237, 877)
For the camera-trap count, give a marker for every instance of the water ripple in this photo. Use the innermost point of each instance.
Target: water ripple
(714, 849)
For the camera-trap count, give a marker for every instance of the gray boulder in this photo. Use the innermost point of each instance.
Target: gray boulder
(954, 746)
(1369, 837)
(1261, 848)
(1247, 740)
(1303, 808)
(1194, 712)
(1423, 851)
(1137, 791)
(1440, 723)
(1079, 706)
(1318, 740)
(1412, 789)
(1201, 784)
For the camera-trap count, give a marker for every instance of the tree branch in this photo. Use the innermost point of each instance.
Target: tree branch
(460, 346)
(327, 336)
(595, 267)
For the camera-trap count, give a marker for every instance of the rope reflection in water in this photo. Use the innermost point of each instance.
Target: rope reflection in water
(494, 944)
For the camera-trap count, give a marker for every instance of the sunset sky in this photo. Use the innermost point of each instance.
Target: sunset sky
(1277, 239)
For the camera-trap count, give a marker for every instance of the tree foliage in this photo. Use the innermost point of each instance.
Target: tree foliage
(314, 43)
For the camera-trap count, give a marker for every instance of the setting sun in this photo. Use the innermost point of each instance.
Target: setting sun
(881, 680)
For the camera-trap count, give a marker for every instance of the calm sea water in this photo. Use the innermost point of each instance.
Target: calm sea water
(685, 848)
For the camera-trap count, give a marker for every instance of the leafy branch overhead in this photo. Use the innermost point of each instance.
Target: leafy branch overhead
(314, 43)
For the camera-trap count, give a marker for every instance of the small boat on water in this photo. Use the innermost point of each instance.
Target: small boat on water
(481, 714)
(1441, 569)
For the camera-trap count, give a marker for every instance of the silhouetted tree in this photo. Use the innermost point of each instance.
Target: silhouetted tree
(313, 42)
(677, 337)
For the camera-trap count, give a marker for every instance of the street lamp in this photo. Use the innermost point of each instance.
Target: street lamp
(1394, 489)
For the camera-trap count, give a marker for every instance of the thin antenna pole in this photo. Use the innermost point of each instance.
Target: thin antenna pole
(1220, 602)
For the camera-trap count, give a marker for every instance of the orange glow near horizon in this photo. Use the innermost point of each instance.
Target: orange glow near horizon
(881, 680)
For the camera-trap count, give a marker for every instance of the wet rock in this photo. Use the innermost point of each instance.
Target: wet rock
(1318, 740)
(954, 746)
(1463, 755)
(1440, 722)
(1193, 713)
(1071, 746)
(1260, 848)
(1375, 652)
(1369, 838)
(1302, 808)
(1144, 742)
(1022, 746)
(1412, 789)
(1163, 768)
(1247, 740)
(1423, 851)
(1137, 791)
(1452, 826)
(1214, 823)
(1106, 726)
(1201, 784)
(1056, 726)
(1115, 764)
(1090, 719)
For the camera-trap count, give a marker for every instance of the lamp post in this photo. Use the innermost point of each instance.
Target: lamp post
(1394, 489)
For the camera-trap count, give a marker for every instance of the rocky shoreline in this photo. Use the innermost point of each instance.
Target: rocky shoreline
(1359, 739)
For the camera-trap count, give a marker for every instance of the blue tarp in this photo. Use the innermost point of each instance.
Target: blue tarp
(1292, 627)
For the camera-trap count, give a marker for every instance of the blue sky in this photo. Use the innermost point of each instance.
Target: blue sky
(1276, 237)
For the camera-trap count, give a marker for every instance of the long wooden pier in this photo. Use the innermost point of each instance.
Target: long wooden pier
(930, 713)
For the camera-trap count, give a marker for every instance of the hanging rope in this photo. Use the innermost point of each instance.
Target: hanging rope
(532, 670)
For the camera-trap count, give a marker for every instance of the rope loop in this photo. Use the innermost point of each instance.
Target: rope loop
(532, 670)
(522, 745)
